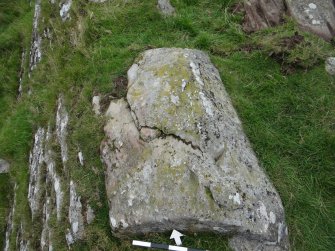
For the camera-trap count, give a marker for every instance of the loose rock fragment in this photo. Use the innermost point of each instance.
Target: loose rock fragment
(65, 10)
(4, 166)
(96, 105)
(330, 65)
(165, 7)
(81, 158)
(185, 165)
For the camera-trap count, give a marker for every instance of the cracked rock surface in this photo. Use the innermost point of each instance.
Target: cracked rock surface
(177, 157)
(315, 16)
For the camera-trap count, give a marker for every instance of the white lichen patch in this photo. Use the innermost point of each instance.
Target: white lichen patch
(272, 218)
(236, 198)
(174, 99)
(196, 73)
(206, 104)
(312, 6)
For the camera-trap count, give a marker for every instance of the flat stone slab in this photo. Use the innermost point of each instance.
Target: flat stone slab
(177, 157)
(316, 16)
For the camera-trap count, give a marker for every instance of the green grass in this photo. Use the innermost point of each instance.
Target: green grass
(288, 118)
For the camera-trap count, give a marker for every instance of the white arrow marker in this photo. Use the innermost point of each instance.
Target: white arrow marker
(176, 236)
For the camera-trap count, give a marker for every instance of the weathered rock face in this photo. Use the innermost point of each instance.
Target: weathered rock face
(10, 222)
(35, 170)
(75, 216)
(260, 14)
(177, 157)
(316, 16)
(165, 7)
(330, 65)
(62, 119)
(4, 166)
(35, 50)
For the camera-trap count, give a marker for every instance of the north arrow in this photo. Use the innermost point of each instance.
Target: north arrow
(176, 236)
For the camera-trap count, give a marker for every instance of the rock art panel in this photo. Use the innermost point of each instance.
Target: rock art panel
(260, 14)
(177, 157)
(316, 16)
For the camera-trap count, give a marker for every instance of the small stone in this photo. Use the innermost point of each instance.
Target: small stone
(65, 9)
(4, 166)
(165, 7)
(330, 65)
(312, 6)
(81, 158)
(90, 215)
(96, 104)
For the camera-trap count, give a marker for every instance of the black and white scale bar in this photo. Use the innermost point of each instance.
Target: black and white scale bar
(163, 246)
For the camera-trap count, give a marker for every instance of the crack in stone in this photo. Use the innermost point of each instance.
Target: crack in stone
(162, 133)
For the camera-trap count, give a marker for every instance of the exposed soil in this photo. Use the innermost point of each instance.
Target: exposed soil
(291, 42)
(120, 87)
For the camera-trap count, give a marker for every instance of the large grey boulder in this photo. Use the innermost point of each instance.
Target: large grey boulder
(177, 157)
(316, 16)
